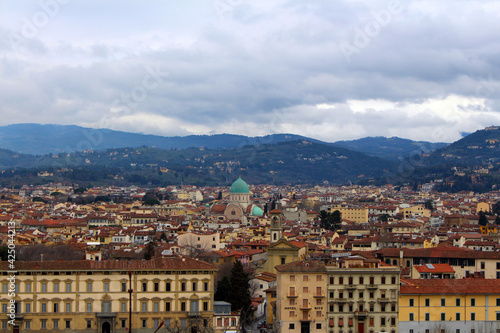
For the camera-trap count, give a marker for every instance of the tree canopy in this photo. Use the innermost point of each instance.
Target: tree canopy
(330, 221)
(483, 220)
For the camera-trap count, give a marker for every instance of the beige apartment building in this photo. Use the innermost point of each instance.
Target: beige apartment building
(92, 296)
(354, 214)
(301, 303)
(363, 296)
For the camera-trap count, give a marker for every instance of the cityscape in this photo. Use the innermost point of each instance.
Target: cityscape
(235, 166)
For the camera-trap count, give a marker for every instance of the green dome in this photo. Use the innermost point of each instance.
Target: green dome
(256, 211)
(239, 186)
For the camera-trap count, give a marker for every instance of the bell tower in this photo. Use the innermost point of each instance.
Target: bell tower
(276, 217)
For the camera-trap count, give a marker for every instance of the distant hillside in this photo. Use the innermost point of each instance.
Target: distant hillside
(390, 148)
(39, 139)
(293, 162)
(479, 148)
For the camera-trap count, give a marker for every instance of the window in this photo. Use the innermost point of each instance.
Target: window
(155, 323)
(305, 278)
(183, 322)
(55, 323)
(382, 308)
(305, 290)
(144, 286)
(382, 321)
(89, 323)
(144, 307)
(361, 294)
(144, 323)
(183, 306)
(106, 307)
(361, 280)
(56, 307)
(68, 287)
(89, 287)
(341, 294)
(27, 324)
(124, 323)
(383, 280)
(183, 286)
(482, 265)
(427, 302)
(350, 280)
(472, 302)
(457, 302)
(205, 286)
(443, 316)
(443, 301)
(167, 286)
(124, 286)
(318, 326)
(427, 316)
(498, 301)
(341, 280)
(167, 306)
(106, 287)
(457, 316)
(292, 278)
(412, 317)
(56, 287)
(123, 306)
(412, 302)
(28, 287)
(472, 316)
(393, 280)
(44, 307)
(372, 280)
(393, 307)
(195, 286)
(291, 326)
(43, 323)
(89, 307)
(156, 286)
(498, 315)
(68, 307)
(283, 259)
(68, 324)
(205, 306)
(44, 287)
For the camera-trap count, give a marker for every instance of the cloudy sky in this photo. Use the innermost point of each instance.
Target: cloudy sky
(331, 70)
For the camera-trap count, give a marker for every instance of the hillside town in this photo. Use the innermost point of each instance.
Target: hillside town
(114, 259)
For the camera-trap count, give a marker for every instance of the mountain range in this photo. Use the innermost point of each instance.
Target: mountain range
(37, 139)
(35, 154)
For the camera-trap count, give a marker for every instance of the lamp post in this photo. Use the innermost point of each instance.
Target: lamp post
(130, 290)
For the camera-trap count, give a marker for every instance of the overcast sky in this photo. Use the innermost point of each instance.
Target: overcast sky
(331, 70)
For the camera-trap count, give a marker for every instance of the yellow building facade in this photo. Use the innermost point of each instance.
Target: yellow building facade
(449, 305)
(90, 296)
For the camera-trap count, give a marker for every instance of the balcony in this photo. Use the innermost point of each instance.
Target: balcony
(319, 296)
(305, 307)
(194, 314)
(351, 287)
(384, 300)
(292, 296)
(360, 314)
(372, 286)
(340, 300)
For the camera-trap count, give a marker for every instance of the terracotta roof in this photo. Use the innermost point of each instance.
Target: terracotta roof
(302, 266)
(165, 263)
(450, 286)
(437, 268)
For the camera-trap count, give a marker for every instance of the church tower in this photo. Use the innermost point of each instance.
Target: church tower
(276, 217)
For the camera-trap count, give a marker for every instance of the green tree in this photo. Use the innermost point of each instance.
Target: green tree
(428, 205)
(483, 220)
(151, 202)
(330, 221)
(163, 237)
(79, 190)
(240, 290)
(497, 220)
(223, 290)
